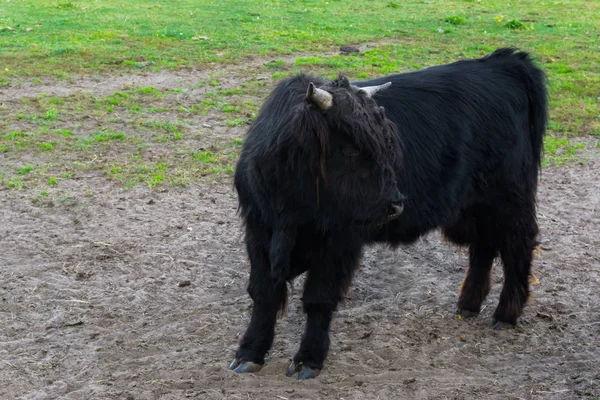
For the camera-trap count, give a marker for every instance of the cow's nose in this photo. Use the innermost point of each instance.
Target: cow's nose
(395, 209)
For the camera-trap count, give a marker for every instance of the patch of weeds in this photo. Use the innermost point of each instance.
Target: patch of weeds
(134, 108)
(274, 64)
(149, 90)
(231, 92)
(161, 166)
(207, 157)
(237, 141)
(161, 139)
(63, 132)
(277, 75)
(3, 148)
(52, 181)
(117, 170)
(227, 108)
(155, 179)
(46, 146)
(51, 115)
(176, 91)
(15, 183)
(87, 142)
(393, 4)
(105, 136)
(25, 170)
(558, 151)
(15, 134)
(117, 98)
(455, 20)
(44, 193)
(65, 5)
(236, 122)
(209, 102)
(227, 169)
(157, 109)
(56, 101)
(167, 126)
(515, 24)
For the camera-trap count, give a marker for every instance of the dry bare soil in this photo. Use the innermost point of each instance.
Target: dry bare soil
(118, 293)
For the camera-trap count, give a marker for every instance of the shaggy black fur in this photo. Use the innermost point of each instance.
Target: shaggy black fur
(459, 144)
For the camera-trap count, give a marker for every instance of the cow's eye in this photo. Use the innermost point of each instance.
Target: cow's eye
(350, 151)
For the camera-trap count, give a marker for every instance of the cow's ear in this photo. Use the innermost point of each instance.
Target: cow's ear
(344, 81)
(319, 97)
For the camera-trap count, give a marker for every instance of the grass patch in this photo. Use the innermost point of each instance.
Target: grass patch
(63, 132)
(155, 35)
(455, 20)
(149, 90)
(25, 170)
(148, 36)
(558, 151)
(515, 24)
(206, 157)
(46, 146)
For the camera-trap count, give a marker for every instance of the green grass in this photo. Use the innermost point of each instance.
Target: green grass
(455, 20)
(558, 151)
(108, 35)
(150, 135)
(25, 170)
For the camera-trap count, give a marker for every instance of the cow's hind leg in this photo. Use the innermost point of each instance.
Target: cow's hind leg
(268, 298)
(325, 286)
(476, 229)
(517, 254)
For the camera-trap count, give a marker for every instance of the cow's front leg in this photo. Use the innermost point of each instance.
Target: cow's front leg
(268, 298)
(325, 286)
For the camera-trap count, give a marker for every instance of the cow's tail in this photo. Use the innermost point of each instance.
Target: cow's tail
(537, 94)
(538, 106)
(535, 83)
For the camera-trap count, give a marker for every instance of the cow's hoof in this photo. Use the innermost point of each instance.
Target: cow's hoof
(303, 371)
(467, 313)
(244, 367)
(501, 326)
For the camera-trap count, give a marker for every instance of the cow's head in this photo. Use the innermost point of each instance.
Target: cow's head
(358, 151)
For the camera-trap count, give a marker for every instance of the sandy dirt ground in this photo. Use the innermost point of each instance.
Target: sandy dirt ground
(140, 294)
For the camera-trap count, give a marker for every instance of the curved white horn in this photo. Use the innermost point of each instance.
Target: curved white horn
(319, 97)
(371, 90)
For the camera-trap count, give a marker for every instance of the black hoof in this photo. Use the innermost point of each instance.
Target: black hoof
(468, 313)
(501, 326)
(303, 371)
(244, 367)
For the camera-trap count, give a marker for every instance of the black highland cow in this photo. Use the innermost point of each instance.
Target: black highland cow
(325, 170)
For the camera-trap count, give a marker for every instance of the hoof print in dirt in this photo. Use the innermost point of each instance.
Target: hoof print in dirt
(501, 326)
(244, 367)
(303, 372)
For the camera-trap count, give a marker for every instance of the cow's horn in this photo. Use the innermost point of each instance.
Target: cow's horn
(371, 90)
(319, 97)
